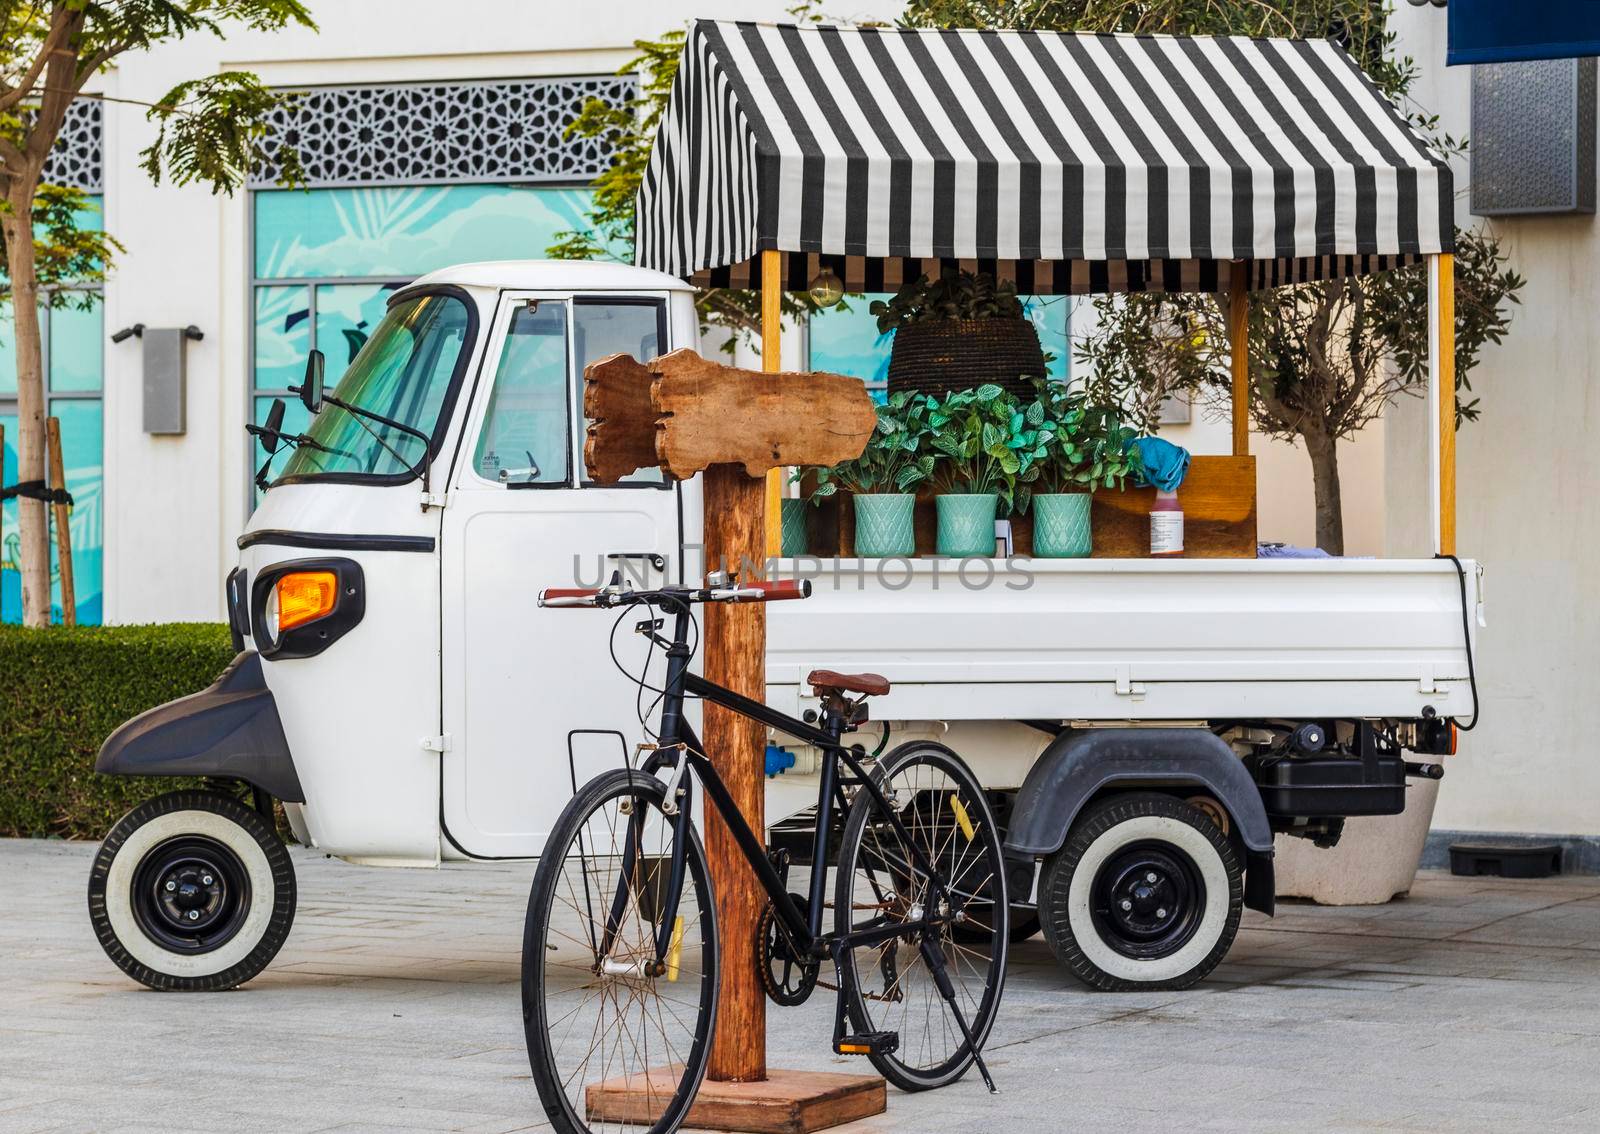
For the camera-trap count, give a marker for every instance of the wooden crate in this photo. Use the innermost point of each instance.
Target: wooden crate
(1219, 517)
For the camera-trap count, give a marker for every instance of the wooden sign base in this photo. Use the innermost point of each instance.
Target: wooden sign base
(786, 1102)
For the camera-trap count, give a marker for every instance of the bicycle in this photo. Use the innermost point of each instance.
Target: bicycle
(621, 954)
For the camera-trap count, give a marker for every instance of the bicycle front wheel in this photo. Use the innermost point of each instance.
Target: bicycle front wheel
(893, 873)
(618, 1034)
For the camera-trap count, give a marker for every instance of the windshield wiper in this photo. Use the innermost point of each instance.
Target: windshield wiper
(359, 412)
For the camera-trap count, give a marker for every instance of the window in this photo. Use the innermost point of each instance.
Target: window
(602, 327)
(326, 262)
(403, 373)
(845, 339)
(527, 428)
(74, 338)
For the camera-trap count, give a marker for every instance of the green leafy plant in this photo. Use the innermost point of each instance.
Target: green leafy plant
(1088, 445)
(896, 458)
(965, 295)
(985, 440)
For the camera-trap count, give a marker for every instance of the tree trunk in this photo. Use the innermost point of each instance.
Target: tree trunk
(33, 521)
(1324, 453)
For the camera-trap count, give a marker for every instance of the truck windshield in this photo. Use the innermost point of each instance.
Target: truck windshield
(403, 372)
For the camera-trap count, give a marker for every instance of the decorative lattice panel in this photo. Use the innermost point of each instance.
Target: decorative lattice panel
(1533, 137)
(441, 132)
(77, 160)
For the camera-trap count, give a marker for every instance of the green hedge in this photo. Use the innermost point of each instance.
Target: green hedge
(62, 692)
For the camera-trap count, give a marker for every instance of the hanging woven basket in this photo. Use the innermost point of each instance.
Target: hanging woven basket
(940, 355)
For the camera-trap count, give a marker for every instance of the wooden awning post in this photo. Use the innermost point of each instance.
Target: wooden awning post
(771, 357)
(1442, 398)
(1239, 354)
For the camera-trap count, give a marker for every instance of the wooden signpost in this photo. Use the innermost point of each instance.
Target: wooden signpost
(685, 415)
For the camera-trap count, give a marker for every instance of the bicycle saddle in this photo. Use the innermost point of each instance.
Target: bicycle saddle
(827, 681)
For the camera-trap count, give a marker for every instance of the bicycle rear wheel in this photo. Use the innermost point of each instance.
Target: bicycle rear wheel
(889, 986)
(603, 1017)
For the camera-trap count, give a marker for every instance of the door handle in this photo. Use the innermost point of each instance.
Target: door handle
(654, 558)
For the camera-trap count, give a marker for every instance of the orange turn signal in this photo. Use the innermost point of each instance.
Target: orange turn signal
(305, 596)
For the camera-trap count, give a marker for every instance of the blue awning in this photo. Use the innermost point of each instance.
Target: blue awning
(1494, 31)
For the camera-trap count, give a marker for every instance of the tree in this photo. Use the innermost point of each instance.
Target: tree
(1325, 358)
(629, 130)
(209, 130)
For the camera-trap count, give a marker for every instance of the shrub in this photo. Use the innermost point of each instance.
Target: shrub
(63, 691)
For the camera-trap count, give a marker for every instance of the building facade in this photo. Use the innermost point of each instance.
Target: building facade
(434, 136)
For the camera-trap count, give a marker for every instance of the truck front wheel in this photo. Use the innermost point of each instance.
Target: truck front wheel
(1146, 893)
(192, 891)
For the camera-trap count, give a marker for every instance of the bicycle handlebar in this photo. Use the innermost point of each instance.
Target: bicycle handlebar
(761, 590)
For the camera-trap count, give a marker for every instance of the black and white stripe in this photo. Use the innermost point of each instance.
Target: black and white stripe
(1061, 161)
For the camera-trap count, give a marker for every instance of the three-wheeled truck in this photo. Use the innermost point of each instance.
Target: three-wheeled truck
(400, 691)
(1146, 726)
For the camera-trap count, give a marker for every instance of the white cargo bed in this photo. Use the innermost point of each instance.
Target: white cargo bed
(1134, 639)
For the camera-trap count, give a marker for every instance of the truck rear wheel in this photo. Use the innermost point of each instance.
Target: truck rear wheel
(193, 892)
(1146, 893)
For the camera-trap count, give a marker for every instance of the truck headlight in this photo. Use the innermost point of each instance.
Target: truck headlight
(302, 607)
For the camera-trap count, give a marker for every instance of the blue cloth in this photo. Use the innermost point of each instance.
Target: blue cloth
(1492, 31)
(1162, 464)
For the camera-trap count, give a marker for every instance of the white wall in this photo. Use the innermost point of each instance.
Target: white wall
(173, 505)
(1528, 480)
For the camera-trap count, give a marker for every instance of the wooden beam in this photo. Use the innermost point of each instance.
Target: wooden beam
(735, 657)
(1444, 270)
(621, 435)
(1239, 354)
(710, 414)
(61, 513)
(771, 362)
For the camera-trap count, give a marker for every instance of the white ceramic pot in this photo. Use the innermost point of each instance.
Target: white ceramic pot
(1375, 861)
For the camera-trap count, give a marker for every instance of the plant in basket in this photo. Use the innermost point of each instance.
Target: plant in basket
(987, 450)
(963, 330)
(885, 477)
(1088, 447)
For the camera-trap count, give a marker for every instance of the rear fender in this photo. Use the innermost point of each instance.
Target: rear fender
(1080, 764)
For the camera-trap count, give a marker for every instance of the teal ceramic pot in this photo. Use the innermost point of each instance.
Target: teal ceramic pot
(792, 516)
(884, 525)
(1061, 525)
(966, 524)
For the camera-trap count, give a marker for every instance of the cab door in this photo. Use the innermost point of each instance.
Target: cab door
(521, 515)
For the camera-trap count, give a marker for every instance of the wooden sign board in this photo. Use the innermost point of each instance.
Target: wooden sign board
(702, 413)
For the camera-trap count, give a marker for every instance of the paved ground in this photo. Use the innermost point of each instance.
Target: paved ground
(1473, 1005)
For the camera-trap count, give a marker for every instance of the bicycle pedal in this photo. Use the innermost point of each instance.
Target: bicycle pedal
(867, 1043)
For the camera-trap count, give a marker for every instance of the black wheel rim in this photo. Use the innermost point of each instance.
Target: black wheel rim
(191, 894)
(1147, 900)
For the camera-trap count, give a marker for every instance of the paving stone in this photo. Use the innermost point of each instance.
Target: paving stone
(1472, 1004)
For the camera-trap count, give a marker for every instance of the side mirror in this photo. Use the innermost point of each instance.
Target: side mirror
(269, 432)
(311, 388)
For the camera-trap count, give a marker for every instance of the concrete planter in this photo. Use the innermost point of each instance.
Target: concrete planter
(1375, 861)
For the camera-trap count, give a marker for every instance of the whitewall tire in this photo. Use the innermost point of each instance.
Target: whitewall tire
(1146, 893)
(192, 891)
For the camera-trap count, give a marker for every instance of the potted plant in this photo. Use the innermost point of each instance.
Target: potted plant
(884, 479)
(961, 331)
(986, 448)
(1086, 447)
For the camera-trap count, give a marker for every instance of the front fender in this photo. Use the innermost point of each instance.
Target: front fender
(229, 730)
(1078, 765)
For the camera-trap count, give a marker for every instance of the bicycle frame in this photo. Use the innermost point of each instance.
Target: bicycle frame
(679, 748)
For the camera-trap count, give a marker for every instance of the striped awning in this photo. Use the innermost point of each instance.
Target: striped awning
(1069, 163)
